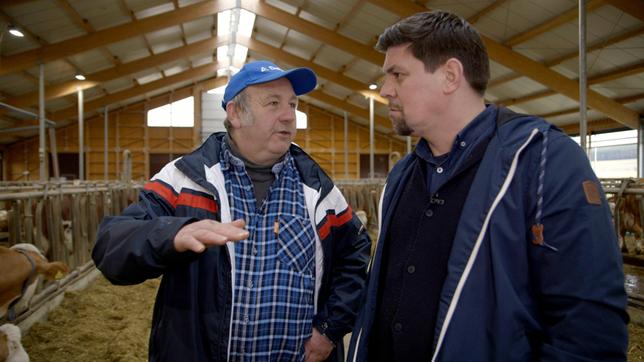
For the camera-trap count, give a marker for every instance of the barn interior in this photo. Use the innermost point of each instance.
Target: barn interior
(96, 96)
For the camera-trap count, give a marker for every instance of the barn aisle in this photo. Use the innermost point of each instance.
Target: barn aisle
(101, 323)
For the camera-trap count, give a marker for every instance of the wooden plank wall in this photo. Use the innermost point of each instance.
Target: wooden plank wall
(324, 140)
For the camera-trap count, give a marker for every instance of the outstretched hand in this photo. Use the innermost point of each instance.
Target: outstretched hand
(201, 234)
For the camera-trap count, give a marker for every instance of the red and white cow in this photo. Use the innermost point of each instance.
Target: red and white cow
(628, 212)
(20, 267)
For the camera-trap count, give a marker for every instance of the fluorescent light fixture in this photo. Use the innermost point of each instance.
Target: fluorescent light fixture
(15, 32)
(301, 120)
(240, 54)
(222, 55)
(246, 23)
(232, 22)
(79, 77)
(223, 22)
(223, 72)
(373, 86)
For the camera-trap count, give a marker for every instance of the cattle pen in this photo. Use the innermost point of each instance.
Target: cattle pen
(61, 220)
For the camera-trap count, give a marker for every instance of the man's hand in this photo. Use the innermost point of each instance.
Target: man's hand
(317, 348)
(201, 234)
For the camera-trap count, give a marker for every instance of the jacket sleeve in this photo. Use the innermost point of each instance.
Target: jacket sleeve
(348, 246)
(578, 271)
(139, 244)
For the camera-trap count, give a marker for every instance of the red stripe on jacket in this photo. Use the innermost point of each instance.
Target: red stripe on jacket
(201, 202)
(162, 190)
(334, 220)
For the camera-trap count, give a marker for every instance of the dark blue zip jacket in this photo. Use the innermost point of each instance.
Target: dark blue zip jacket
(507, 297)
(192, 313)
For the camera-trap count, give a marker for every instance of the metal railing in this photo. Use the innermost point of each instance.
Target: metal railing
(61, 219)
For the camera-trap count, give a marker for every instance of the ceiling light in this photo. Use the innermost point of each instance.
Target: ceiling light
(246, 23)
(240, 54)
(223, 22)
(373, 86)
(15, 32)
(79, 77)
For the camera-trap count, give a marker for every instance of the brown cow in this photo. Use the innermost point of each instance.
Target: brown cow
(20, 267)
(628, 209)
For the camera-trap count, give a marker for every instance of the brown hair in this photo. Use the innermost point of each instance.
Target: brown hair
(435, 37)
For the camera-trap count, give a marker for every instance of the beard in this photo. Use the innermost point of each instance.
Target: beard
(401, 127)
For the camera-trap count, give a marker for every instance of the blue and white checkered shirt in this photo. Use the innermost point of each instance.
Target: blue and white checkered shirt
(274, 268)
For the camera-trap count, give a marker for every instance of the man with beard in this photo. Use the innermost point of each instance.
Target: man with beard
(496, 242)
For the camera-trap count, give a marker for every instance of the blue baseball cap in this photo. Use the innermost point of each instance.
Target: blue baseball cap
(303, 80)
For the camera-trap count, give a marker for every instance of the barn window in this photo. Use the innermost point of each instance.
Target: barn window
(176, 114)
(613, 154)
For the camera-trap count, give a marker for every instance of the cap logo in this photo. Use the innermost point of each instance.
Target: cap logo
(269, 68)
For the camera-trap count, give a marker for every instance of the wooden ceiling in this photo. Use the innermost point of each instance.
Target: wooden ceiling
(132, 50)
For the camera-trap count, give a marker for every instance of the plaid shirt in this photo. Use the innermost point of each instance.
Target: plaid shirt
(274, 268)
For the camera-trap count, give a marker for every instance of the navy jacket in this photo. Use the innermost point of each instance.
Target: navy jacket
(507, 297)
(192, 314)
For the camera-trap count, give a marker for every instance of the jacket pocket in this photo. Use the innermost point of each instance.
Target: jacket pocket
(296, 243)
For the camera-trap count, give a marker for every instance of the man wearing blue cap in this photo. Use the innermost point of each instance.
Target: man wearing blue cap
(261, 256)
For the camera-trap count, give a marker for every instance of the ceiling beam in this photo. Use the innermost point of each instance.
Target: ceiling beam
(567, 16)
(565, 112)
(600, 44)
(216, 82)
(175, 3)
(159, 100)
(349, 15)
(89, 106)
(75, 16)
(103, 37)
(94, 79)
(488, 9)
(179, 94)
(345, 19)
(592, 126)
(130, 13)
(526, 98)
(34, 37)
(597, 79)
(315, 31)
(534, 70)
(321, 71)
(351, 108)
(633, 8)
(617, 73)
(85, 24)
(10, 3)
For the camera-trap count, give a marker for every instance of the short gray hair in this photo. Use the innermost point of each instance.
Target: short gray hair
(241, 101)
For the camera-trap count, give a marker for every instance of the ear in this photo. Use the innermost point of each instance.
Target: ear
(232, 113)
(453, 75)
